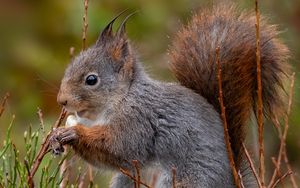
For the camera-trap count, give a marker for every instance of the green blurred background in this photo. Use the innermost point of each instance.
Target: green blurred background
(35, 38)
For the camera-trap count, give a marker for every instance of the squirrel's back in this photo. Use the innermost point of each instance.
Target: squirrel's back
(193, 60)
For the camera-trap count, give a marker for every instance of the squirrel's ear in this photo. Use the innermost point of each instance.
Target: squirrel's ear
(107, 32)
(123, 58)
(126, 71)
(121, 51)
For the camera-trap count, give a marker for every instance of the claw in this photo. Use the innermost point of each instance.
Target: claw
(61, 137)
(56, 147)
(58, 151)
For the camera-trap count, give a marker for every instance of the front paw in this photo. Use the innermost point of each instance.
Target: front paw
(60, 137)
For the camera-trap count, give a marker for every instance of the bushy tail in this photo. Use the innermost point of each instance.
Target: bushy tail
(193, 60)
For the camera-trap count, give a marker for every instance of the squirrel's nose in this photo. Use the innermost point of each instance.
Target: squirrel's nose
(61, 99)
(64, 103)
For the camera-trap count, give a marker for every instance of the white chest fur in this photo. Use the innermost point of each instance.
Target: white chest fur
(73, 120)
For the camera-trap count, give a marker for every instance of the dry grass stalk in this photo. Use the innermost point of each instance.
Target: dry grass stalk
(40, 114)
(252, 166)
(281, 178)
(286, 126)
(282, 137)
(126, 173)
(64, 172)
(241, 178)
(45, 147)
(4, 101)
(82, 179)
(154, 179)
(78, 178)
(138, 175)
(71, 52)
(85, 24)
(29, 179)
(292, 177)
(277, 163)
(174, 177)
(277, 168)
(259, 101)
(223, 115)
(90, 175)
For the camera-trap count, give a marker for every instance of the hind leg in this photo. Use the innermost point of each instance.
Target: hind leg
(121, 181)
(164, 180)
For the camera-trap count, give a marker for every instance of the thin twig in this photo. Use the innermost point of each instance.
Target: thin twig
(278, 161)
(90, 175)
(64, 170)
(40, 114)
(86, 180)
(281, 178)
(174, 177)
(277, 167)
(240, 176)
(71, 52)
(292, 177)
(280, 153)
(60, 118)
(154, 179)
(78, 178)
(4, 101)
(45, 147)
(30, 181)
(64, 173)
(286, 126)
(283, 136)
(85, 24)
(286, 120)
(126, 173)
(137, 170)
(259, 101)
(252, 166)
(82, 179)
(223, 115)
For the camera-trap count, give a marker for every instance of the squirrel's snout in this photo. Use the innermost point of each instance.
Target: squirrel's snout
(62, 99)
(63, 103)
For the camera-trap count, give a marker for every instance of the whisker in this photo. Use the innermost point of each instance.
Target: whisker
(39, 78)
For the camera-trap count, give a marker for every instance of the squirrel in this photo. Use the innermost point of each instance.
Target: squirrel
(123, 115)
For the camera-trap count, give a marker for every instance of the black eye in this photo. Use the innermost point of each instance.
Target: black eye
(91, 80)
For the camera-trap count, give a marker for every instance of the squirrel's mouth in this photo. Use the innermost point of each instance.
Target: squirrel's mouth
(87, 114)
(82, 113)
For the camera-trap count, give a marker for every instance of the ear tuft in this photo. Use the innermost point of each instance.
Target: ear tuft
(122, 30)
(107, 32)
(126, 62)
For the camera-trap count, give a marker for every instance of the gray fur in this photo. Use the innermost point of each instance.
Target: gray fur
(175, 127)
(166, 125)
(156, 123)
(162, 123)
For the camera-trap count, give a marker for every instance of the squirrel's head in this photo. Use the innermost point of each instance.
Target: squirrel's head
(99, 76)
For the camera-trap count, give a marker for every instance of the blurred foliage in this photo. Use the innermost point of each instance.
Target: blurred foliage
(35, 37)
(13, 171)
(14, 166)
